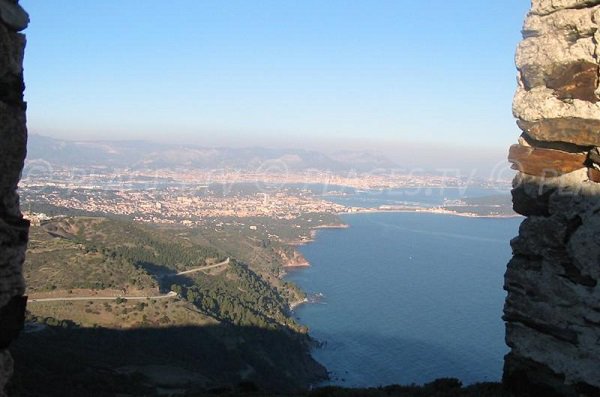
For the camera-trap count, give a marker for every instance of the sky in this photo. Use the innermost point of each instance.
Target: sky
(422, 81)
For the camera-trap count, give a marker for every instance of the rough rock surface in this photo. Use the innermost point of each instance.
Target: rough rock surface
(571, 130)
(13, 141)
(545, 162)
(544, 7)
(13, 15)
(552, 310)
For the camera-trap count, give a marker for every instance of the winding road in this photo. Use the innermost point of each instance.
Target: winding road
(199, 269)
(171, 294)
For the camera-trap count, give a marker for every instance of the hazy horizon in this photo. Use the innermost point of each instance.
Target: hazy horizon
(428, 85)
(412, 158)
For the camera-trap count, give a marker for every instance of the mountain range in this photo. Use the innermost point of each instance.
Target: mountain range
(150, 155)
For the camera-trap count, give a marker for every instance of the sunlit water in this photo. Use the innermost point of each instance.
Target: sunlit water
(408, 297)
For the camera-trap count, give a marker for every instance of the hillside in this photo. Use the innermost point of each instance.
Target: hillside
(91, 277)
(147, 247)
(88, 256)
(55, 263)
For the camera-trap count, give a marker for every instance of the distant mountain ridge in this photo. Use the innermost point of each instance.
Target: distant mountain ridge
(149, 155)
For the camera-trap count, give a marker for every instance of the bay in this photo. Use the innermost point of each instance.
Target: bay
(408, 297)
(420, 196)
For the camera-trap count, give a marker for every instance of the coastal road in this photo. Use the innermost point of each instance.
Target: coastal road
(199, 269)
(171, 294)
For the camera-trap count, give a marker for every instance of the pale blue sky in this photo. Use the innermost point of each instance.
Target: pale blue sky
(389, 75)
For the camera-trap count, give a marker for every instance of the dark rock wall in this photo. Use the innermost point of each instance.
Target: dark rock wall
(13, 141)
(552, 311)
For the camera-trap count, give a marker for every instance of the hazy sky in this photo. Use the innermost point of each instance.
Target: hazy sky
(390, 75)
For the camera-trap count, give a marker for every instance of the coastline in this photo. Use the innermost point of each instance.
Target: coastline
(293, 264)
(333, 259)
(313, 234)
(294, 305)
(438, 211)
(334, 226)
(296, 265)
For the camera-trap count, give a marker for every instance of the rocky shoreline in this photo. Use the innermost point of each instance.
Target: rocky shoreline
(299, 261)
(313, 234)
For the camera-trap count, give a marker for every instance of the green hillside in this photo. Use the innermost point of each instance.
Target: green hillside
(223, 309)
(143, 244)
(91, 253)
(55, 263)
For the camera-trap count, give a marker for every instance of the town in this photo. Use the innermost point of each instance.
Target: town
(190, 197)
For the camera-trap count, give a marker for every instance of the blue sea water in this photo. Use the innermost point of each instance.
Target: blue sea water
(422, 196)
(408, 297)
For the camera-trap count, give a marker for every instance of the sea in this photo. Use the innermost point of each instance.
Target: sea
(403, 298)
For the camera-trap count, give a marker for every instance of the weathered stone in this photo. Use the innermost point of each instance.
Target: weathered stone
(540, 103)
(13, 15)
(13, 141)
(6, 370)
(545, 162)
(535, 65)
(554, 42)
(575, 81)
(594, 156)
(577, 199)
(544, 7)
(552, 279)
(546, 309)
(531, 194)
(572, 130)
(552, 288)
(529, 204)
(530, 378)
(570, 24)
(11, 52)
(12, 319)
(583, 247)
(558, 62)
(526, 140)
(594, 175)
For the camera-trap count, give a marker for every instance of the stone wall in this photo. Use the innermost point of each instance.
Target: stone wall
(552, 311)
(13, 140)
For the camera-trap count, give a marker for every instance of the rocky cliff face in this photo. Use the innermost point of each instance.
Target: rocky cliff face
(13, 139)
(552, 311)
